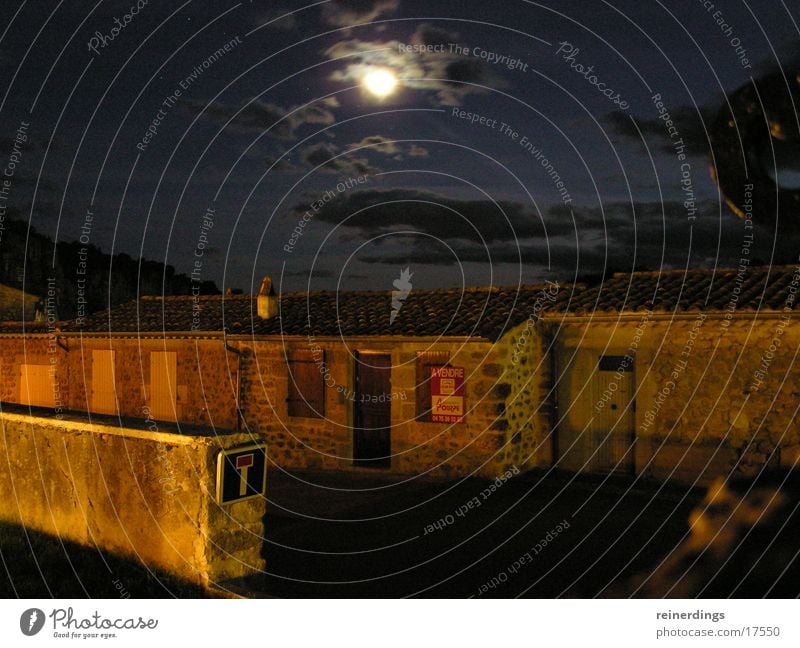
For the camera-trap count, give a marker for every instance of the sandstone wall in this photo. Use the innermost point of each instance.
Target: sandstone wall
(524, 381)
(712, 396)
(206, 374)
(473, 447)
(145, 494)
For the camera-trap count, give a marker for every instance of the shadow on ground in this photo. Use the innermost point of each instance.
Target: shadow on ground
(37, 565)
(334, 535)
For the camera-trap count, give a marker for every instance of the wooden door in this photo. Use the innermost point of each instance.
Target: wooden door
(163, 385)
(104, 396)
(372, 445)
(613, 425)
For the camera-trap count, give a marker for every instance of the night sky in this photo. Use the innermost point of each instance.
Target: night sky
(522, 142)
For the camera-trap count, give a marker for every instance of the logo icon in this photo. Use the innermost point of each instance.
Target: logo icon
(31, 622)
(403, 285)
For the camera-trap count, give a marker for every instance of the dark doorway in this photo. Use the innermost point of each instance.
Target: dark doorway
(372, 443)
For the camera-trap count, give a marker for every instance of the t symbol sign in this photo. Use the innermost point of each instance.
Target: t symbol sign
(243, 464)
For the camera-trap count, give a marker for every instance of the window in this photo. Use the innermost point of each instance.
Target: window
(307, 371)
(614, 363)
(104, 397)
(37, 385)
(425, 362)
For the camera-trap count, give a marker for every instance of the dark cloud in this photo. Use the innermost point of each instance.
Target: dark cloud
(324, 156)
(345, 13)
(281, 122)
(375, 211)
(690, 123)
(620, 237)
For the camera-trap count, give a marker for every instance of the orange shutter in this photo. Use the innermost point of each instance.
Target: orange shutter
(163, 385)
(104, 393)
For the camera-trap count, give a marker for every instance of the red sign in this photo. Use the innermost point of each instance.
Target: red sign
(447, 394)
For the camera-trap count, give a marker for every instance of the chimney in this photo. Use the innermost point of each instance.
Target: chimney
(267, 301)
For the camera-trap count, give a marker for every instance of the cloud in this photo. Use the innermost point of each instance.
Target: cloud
(324, 156)
(448, 75)
(281, 122)
(619, 237)
(345, 13)
(377, 143)
(691, 126)
(387, 146)
(376, 211)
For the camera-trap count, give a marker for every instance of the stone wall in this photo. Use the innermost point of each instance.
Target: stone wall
(712, 398)
(206, 376)
(36, 349)
(473, 447)
(145, 494)
(524, 381)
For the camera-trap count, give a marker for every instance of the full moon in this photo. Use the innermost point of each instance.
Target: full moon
(381, 83)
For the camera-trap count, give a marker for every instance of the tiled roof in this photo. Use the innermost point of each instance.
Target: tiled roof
(28, 328)
(759, 288)
(479, 312)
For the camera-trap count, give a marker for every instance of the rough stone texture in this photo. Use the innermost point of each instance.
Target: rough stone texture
(524, 384)
(206, 374)
(716, 411)
(147, 495)
(439, 449)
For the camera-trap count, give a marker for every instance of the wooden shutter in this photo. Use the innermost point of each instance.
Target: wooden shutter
(163, 385)
(36, 385)
(306, 394)
(104, 396)
(425, 361)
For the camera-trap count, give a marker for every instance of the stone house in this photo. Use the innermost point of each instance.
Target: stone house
(329, 380)
(680, 375)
